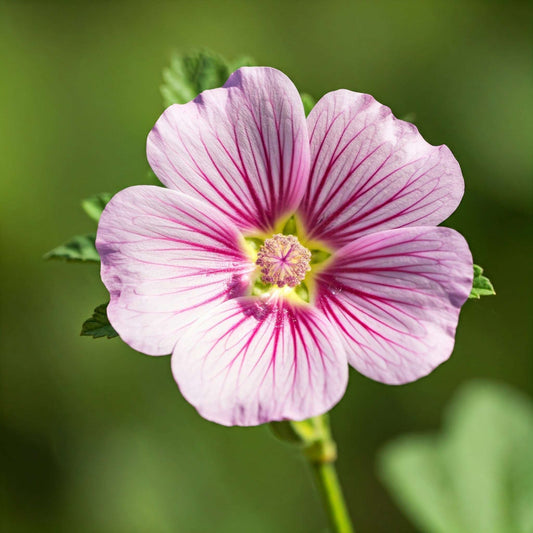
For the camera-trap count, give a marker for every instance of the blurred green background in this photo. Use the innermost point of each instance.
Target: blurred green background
(96, 437)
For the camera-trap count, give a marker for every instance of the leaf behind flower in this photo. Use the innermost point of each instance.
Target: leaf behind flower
(94, 205)
(190, 74)
(98, 325)
(481, 285)
(80, 248)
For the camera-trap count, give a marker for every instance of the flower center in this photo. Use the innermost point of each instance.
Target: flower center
(283, 261)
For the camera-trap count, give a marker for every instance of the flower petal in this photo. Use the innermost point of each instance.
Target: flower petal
(371, 172)
(166, 259)
(395, 297)
(242, 148)
(251, 362)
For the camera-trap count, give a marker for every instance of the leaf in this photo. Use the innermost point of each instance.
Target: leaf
(79, 248)
(411, 469)
(98, 325)
(94, 205)
(308, 101)
(190, 74)
(481, 285)
(476, 476)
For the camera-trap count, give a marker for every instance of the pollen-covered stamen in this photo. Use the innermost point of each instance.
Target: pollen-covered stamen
(283, 261)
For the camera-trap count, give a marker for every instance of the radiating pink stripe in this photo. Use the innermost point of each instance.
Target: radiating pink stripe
(394, 297)
(254, 361)
(242, 148)
(372, 172)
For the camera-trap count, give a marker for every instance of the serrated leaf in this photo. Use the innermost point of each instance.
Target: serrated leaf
(190, 74)
(481, 285)
(94, 205)
(79, 248)
(308, 101)
(476, 476)
(98, 325)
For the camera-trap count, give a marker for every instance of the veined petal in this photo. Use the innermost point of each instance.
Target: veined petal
(242, 148)
(371, 172)
(251, 362)
(166, 259)
(395, 296)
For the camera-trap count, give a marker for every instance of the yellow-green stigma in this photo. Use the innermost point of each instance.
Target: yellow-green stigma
(283, 261)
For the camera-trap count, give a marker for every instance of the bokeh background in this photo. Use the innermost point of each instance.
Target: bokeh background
(96, 437)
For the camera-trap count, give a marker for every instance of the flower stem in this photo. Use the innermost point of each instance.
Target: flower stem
(313, 436)
(332, 497)
(321, 455)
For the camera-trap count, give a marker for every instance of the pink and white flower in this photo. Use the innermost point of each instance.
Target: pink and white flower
(285, 248)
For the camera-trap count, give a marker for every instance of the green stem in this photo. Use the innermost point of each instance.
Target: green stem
(314, 438)
(321, 452)
(332, 497)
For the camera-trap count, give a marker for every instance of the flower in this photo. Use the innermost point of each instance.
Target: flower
(285, 248)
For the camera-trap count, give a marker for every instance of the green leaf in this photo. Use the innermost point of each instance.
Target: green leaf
(411, 469)
(98, 325)
(79, 248)
(190, 74)
(481, 285)
(476, 476)
(308, 101)
(94, 205)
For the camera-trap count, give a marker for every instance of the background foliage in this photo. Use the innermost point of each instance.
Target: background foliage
(96, 437)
